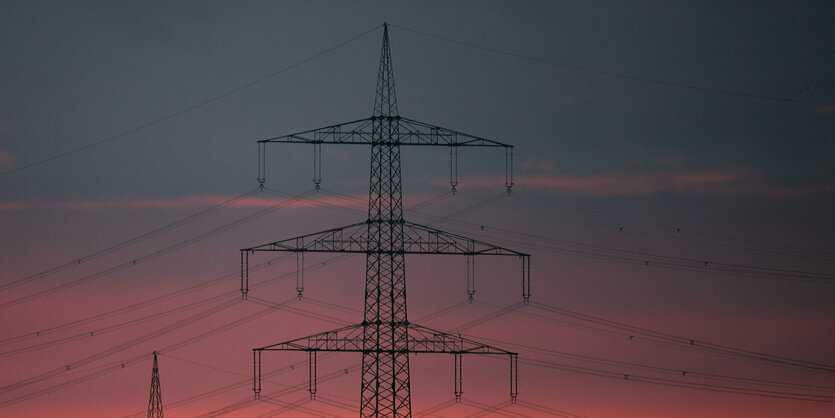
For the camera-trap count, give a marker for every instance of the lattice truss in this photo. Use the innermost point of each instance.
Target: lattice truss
(354, 238)
(421, 340)
(385, 337)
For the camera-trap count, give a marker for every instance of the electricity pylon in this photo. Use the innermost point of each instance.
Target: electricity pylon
(385, 337)
(155, 401)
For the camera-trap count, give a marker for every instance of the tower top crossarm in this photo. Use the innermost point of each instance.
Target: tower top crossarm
(410, 132)
(400, 130)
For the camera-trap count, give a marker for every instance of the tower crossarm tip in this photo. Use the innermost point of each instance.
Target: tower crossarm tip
(428, 340)
(421, 133)
(347, 338)
(349, 238)
(436, 241)
(354, 132)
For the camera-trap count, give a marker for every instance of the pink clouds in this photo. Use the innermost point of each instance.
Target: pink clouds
(738, 182)
(537, 164)
(12, 206)
(730, 182)
(197, 202)
(184, 202)
(633, 184)
(825, 109)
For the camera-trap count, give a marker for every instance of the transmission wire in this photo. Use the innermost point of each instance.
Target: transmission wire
(617, 75)
(189, 108)
(148, 257)
(127, 243)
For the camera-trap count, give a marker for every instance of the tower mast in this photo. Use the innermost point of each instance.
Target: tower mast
(385, 358)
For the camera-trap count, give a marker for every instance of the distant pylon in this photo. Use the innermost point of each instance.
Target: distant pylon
(155, 402)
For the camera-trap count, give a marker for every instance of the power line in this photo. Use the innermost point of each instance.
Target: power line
(209, 366)
(674, 231)
(295, 406)
(635, 331)
(634, 257)
(201, 315)
(749, 354)
(127, 243)
(287, 368)
(513, 308)
(778, 394)
(297, 311)
(163, 351)
(617, 75)
(677, 383)
(230, 387)
(189, 108)
(665, 370)
(654, 259)
(249, 401)
(485, 409)
(103, 371)
(150, 256)
(174, 294)
(115, 327)
(204, 314)
(548, 410)
(144, 303)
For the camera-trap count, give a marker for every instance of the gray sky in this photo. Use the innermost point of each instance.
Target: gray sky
(75, 74)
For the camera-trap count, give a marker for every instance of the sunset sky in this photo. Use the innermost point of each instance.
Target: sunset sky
(674, 184)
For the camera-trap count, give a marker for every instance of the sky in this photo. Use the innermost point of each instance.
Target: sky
(674, 185)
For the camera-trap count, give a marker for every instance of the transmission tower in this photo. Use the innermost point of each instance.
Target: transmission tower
(385, 337)
(155, 401)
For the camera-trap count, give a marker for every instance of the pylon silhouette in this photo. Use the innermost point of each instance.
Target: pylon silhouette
(155, 401)
(385, 337)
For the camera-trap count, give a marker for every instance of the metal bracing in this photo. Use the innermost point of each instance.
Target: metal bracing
(408, 132)
(417, 239)
(422, 340)
(385, 338)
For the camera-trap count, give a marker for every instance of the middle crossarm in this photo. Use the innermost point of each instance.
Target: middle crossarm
(421, 340)
(417, 239)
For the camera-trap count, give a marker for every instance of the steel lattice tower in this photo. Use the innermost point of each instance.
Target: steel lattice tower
(155, 401)
(385, 337)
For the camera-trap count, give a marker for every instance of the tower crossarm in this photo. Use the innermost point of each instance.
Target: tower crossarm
(405, 132)
(417, 239)
(347, 239)
(421, 239)
(341, 339)
(421, 340)
(428, 340)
